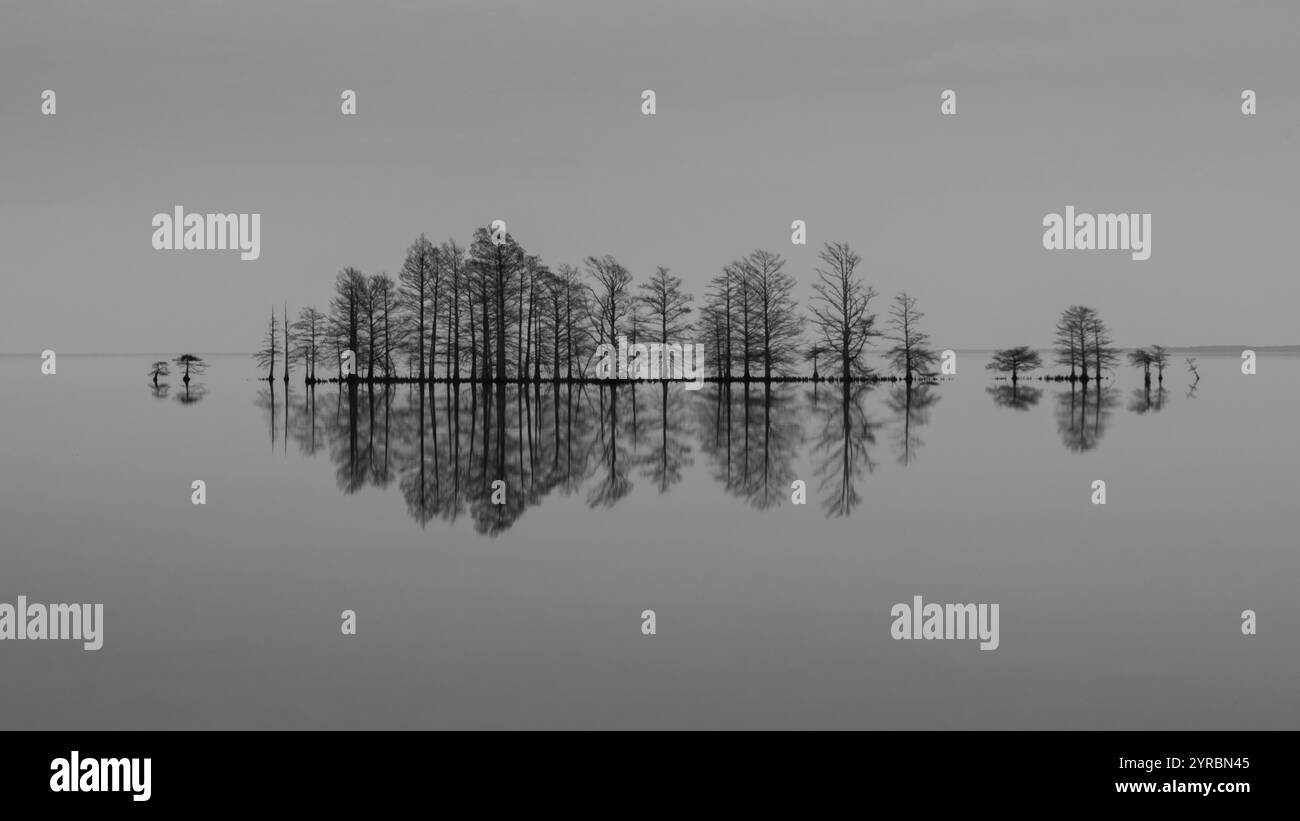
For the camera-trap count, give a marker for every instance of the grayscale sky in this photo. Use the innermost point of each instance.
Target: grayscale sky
(767, 112)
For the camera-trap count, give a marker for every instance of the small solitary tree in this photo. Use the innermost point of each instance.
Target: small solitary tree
(158, 369)
(1014, 361)
(1191, 366)
(192, 365)
(270, 347)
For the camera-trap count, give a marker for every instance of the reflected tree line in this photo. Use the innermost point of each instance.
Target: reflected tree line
(445, 446)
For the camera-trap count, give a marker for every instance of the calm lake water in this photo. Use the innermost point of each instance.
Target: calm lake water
(769, 614)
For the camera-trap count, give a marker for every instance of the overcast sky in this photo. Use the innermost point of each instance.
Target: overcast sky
(767, 112)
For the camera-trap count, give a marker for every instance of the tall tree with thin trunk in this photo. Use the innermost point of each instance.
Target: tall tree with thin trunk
(288, 346)
(270, 350)
(383, 296)
(347, 312)
(415, 288)
(1105, 356)
(309, 329)
(453, 260)
(841, 310)
(1160, 359)
(667, 308)
(776, 312)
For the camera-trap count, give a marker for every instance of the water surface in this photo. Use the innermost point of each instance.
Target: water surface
(770, 614)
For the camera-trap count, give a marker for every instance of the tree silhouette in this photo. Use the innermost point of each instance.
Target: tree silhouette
(1083, 342)
(453, 259)
(1142, 358)
(347, 309)
(611, 303)
(775, 312)
(1104, 355)
(1159, 360)
(192, 364)
(841, 311)
(288, 344)
(1071, 344)
(383, 296)
(1015, 361)
(416, 285)
(309, 330)
(158, 369)
(910, 354)
(270, 347)
(666, 310)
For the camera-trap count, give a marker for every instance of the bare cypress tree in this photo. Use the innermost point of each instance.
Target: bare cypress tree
(1141, 358)
(453, 260)
(720, 300)
(415, 286)
(910, 352)
(775, 312)
(383, 297)
(347, 308)
(842, 310)
(1105, 356)
(310, 332)
(611, 301)
(575, 307)
(746, 344)
(498, 267)
(288, 347)
(194, 364)
(667, 308)
(158, 369)
(1068, 347)
(1015, 361)
(1160, 359)
(270, 347)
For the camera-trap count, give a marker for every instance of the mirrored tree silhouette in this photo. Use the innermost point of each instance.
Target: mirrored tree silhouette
(1015, 396)
(841, 451)
(912, 405)
(670, 432)
(1082, 414)
(1147, 400)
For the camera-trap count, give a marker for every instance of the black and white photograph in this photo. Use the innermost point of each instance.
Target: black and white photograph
(922, 370)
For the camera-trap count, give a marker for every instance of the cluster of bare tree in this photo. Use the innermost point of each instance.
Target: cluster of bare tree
(1083, 342)
(494, 313)
(1147, 358)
